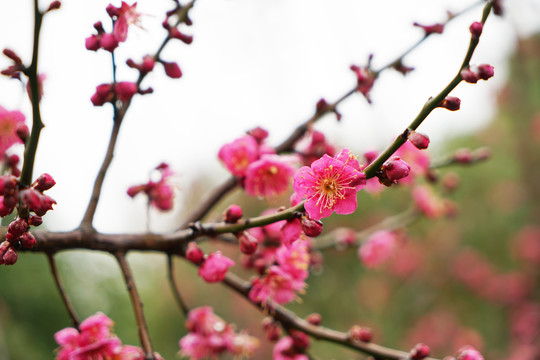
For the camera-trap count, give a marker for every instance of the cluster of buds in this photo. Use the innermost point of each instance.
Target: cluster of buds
(160, 193)
(31, 204)
(477, 72)
(122, 91)
(122, 17)
(14, 71)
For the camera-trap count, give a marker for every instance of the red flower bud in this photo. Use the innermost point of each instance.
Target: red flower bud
(27, 240)
(10, 257)
(232, 214)
(35, 220)
(419, 352)
(311, 228)
(18, 227)
(13, 56)
(431, 29)
(92, 43)
(271, 328)
(359, 333)
(194, 253)
(23, 132)
(248, 243)
(419, 140)
(259, 134)
(54, 5)
(300, 339)
(125, 90)
(44, 182)
(485, 71)
(108, 42)
(395, 168)
(172, 69)
(176, 34)
(476, 29)
(469, 76)
(451, 103)
(314, 319)
(463, 156)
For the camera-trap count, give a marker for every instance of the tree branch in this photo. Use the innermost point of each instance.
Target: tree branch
(65, 299)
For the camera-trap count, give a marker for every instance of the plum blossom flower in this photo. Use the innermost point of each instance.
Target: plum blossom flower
(215, 267)
(160, 193)
(329, 185)
(268, 176)
(124, 16)
(95, 341)
(238, 154)
(10, 121)
(285, 350)
(210, 336)
(378, 248)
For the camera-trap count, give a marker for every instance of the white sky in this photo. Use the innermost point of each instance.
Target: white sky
(252, 63)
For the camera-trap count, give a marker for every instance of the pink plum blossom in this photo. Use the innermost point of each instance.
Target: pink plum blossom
(269, 176)
(294, 259)
(9, 122)
(237, 155)
(124, 16)
(378, 248)
(160, 193)
(277, 285)
(428, 204)
(210, 336)
(330, 185)
(215, 267)
(285, 350)
(469, 353)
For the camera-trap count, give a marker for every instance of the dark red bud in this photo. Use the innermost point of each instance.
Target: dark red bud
(35, 220)
(10, 257)
(248, 243)
(485, 71)
(232, 214)
(476, 29)
(395, 168)
(419, 352)
(27, 240)
(13, 56)
(420, 141)
(55, 5)
(314, 319)
(172, 69)
(322, 106)
(259, 134)
(360, 334)
(194, 253)
(23, 132)
(311, 228)
(451, 103)
(469, 76)
(300, 339)
(18, 227)
(44, 182)
(431, 29)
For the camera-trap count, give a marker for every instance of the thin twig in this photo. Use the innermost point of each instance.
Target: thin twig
(67, 302)
(137, 304)
(174, 286)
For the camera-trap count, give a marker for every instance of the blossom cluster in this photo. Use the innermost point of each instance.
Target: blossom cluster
(262, 171)
(160, 193)
(95, 340)
(209, 336)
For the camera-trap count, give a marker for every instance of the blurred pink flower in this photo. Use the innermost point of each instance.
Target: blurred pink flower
(215, 267)
(377, 249)
(9, 122)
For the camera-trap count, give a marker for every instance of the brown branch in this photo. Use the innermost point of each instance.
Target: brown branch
(137, 304)
(289, 319)
(67, 303)
(174, 286)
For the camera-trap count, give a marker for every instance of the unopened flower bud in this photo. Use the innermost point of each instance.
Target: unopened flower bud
(147, 64)
(23, 132)
(314, 319)
(176, 34)
(108, 42)
(322, 106)
(300, 339)
(44, 182)
(232, 214)
(469, 353)
(248, 243)
(451, 103)
(259, 134)
(27, 240)
(395, 169)
(431, 29)
(172, 69)
(35, 220)
(482, 153)
(10, 257)
(271, 328)
(194, 253)
(360, 334)
(311, 228)
(450, 181)
(476, 29)
(485, 71)
(469, 76)
(419, 140)
(18, 227)
(463, 156)
(55, 5)
(419, 352)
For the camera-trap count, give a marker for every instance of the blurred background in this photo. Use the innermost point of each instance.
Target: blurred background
(469, 279)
